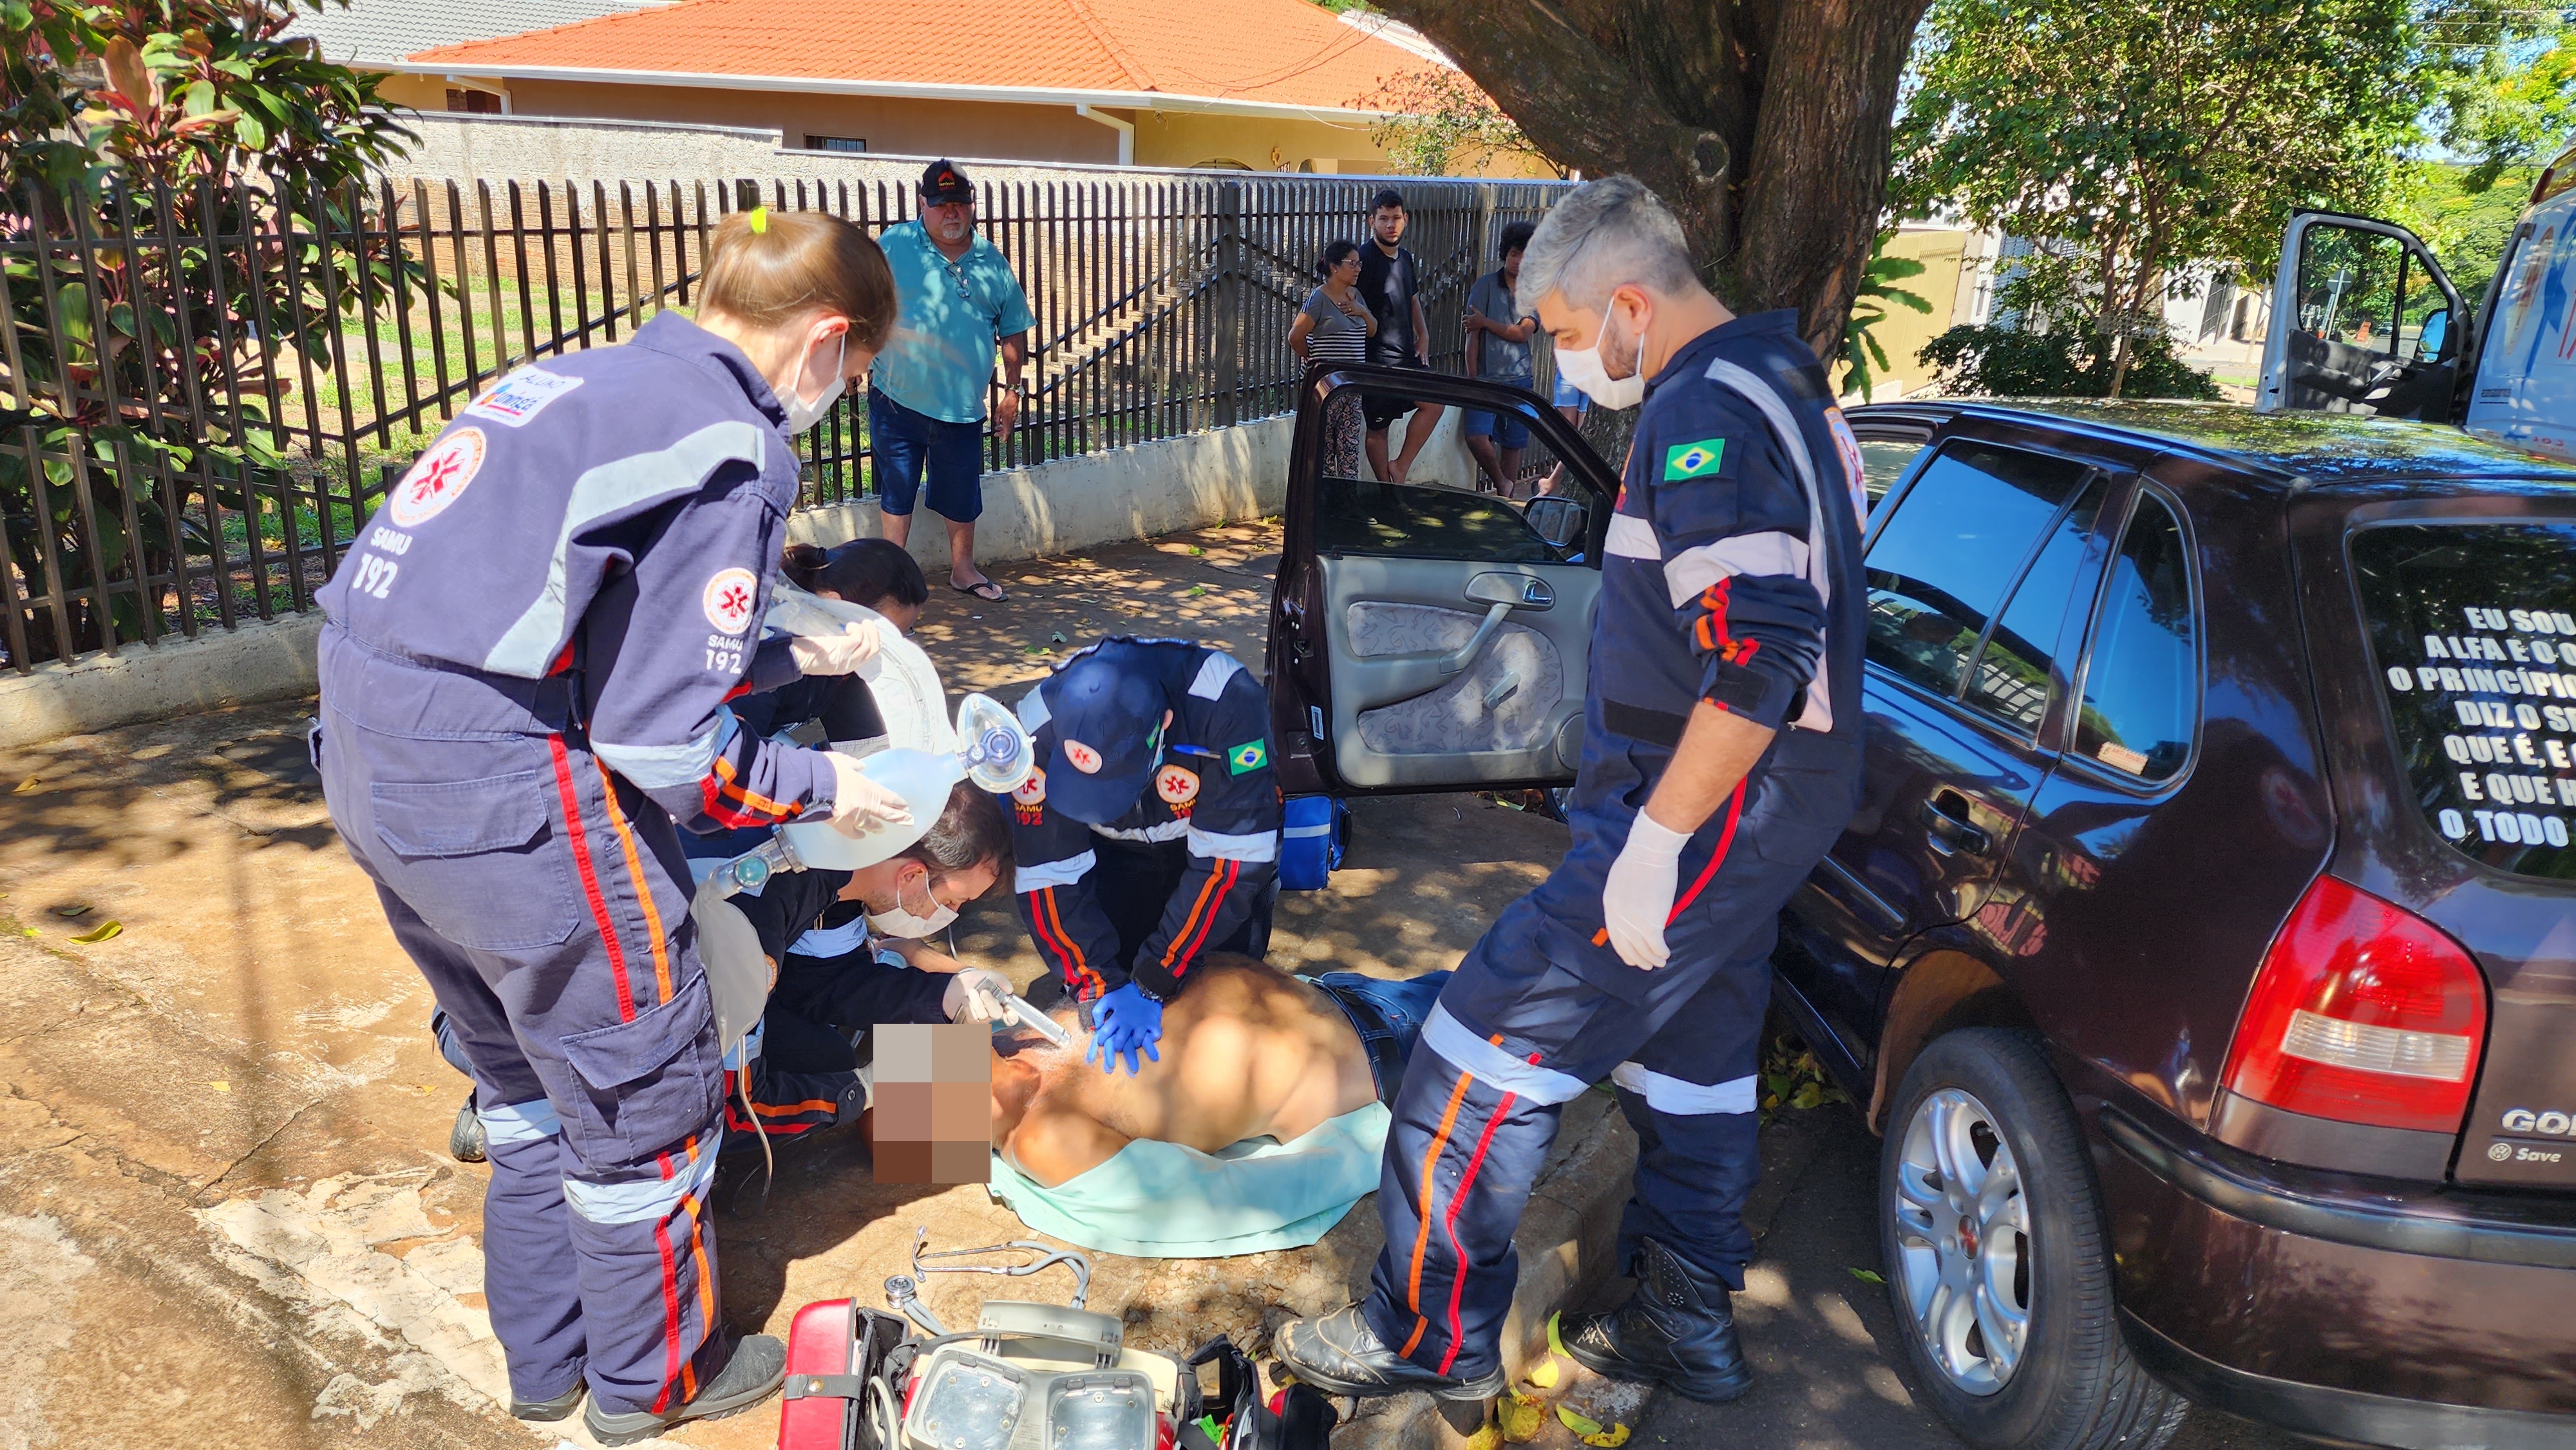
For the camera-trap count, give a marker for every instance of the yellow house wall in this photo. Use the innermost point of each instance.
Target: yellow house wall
(896, 126)
(1948, 268)
(967, 128)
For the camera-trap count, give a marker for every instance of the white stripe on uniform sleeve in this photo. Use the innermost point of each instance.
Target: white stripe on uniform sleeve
(1052, 873)
(661, 767)
(1255, 846)
(1770, 552)
(1214, 671)
(1633, 538)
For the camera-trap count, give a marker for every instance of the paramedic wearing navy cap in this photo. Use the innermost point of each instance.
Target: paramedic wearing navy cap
(524, 672)
(1720, 760)
(1148, 837)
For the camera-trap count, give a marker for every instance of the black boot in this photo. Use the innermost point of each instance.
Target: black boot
(557, 1408)
(750, 1374)
(1340, 1355)
(1671, 1332)
(465, 1138)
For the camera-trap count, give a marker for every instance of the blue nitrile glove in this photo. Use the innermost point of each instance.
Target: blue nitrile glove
(1125, 1022)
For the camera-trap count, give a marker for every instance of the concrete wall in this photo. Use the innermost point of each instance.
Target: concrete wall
(1053, 508)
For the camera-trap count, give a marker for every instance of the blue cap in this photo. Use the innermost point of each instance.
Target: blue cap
(1107, 708)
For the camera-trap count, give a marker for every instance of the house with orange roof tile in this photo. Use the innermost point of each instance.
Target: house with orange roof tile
(1259, 85)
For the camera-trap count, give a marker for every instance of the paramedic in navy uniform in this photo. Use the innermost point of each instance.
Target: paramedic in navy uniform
(524, 672)
(1149, 835)
(1727, 663)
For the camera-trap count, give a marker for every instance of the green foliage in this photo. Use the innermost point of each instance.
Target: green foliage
(2516, 105)
(151, 313)
(2145, 138)
(2014, 363)
(2464, 224)
(1440, 124)
(1860, 350)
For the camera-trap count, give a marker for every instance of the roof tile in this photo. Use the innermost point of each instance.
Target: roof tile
(1286, 52)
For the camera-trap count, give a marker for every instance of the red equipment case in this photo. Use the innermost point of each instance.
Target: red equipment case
(833, 1349)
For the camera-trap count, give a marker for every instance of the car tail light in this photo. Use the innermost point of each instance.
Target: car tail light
(2363, 1013)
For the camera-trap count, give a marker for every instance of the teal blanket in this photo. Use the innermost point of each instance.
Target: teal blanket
(1166, 1201)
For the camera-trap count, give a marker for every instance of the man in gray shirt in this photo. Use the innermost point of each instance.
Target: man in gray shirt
(1498, 350)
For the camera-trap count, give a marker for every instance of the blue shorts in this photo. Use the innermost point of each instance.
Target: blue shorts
(1508, 430)
(1567, 395)
(1388, 1016)
(907, 443)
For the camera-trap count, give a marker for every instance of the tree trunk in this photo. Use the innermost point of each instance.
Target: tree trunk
(1764, 124)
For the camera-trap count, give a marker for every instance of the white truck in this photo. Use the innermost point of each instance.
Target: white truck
(2364, 320)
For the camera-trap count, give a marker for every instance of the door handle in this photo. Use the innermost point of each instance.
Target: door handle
(1944, 819)
(1519, 591)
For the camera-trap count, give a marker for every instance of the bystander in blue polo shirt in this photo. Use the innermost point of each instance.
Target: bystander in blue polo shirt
(940, 361)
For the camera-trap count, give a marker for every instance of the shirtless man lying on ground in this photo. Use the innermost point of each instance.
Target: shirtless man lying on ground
(1247, 1052)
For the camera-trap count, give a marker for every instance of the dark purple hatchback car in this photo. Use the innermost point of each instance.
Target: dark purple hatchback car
(2205, 945)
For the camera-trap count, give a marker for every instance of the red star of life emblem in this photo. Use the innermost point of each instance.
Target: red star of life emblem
(438, 479)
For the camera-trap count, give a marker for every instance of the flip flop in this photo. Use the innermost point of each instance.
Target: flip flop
(977, 589)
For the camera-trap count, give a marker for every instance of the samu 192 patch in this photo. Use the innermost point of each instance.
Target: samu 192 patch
(1704, 459)
(1249, 756)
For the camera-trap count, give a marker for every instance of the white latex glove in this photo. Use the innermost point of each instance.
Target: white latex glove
(835, 654)
(974, 995)
(1638, 896)
(860, 805)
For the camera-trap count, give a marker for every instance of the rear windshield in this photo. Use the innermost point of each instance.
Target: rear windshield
(2473, 632)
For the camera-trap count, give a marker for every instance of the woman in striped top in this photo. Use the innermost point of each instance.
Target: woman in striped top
(1331, 329)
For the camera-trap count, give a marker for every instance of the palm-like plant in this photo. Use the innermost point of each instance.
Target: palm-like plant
(1860, 350)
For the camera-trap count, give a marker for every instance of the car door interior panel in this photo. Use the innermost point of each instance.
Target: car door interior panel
(1434, 685)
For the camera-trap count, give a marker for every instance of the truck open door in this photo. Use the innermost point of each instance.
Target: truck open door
(2364, 320)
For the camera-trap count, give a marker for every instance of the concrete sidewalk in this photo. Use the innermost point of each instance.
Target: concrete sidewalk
(226, 1213)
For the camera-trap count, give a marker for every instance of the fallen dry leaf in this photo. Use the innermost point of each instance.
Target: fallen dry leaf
(100, 933)
(220, 1085)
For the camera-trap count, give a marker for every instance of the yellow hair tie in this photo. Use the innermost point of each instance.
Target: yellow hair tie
(759, 220)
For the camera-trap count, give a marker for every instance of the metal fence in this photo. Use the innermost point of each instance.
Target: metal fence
(208, 389)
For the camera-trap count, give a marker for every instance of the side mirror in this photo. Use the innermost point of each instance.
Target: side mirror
(1557, 519)
(2433, 340)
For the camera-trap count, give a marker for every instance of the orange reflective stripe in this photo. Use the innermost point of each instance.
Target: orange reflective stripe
(810, 1105)
(1213, 888)
(1422, 1239)
(643, 889)
(750, 798)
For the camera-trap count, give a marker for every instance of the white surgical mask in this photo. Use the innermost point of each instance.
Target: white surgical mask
(1586, 371)
(902, 925)
(802, 415)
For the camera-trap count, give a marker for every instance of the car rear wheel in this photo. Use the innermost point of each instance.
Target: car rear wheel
(1996, 1260)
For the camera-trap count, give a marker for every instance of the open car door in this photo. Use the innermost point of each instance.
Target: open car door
(2363, 321)
(1428, 635)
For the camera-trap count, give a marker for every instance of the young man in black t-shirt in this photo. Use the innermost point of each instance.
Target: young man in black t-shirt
(1390, 281)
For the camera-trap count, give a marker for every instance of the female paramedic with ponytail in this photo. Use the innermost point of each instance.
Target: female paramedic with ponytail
(524, 673)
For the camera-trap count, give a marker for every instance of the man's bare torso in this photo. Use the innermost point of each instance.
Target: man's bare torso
(1247, 1052)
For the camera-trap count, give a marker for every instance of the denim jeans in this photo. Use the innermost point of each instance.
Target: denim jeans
(1388, 1016)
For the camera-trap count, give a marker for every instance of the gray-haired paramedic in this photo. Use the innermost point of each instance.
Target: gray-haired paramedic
(524, 673)
(1720, 760)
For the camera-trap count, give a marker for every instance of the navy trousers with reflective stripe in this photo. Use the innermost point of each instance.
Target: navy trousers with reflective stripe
(547, 905)
(1535, 1015)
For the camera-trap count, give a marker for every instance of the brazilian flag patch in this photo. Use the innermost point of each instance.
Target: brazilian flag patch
(1694, 460)
(1245, 757)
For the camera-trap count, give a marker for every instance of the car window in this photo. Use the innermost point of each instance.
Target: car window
(2142, 675)
(1439, 512)
(1943, 560)
(2472, 629)
(2011, 679)
(1883, 461)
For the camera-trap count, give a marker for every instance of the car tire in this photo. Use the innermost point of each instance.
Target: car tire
(1959, 1263)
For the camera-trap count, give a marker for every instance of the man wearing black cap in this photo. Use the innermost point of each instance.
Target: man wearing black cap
(926, 395)
(1148, 838)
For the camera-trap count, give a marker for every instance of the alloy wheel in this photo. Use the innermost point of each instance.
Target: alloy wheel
(1964, 1256)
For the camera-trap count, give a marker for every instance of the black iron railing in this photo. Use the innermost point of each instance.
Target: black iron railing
(206, 392)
